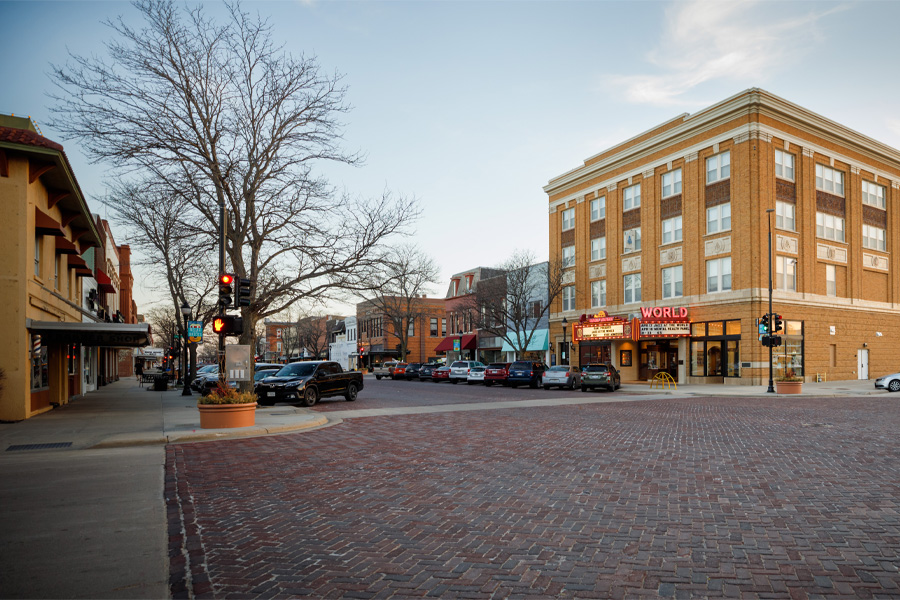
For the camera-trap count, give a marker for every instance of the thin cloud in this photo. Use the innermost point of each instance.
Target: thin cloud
(705, 41)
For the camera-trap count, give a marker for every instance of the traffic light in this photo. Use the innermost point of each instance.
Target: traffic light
(779, 324)
(243, 288)
(228, 325)
(225, 281)
(764, 321)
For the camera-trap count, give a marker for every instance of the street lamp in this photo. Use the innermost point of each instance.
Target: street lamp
(565, 352)
(771, 389)
(185, 376)
(459, 333)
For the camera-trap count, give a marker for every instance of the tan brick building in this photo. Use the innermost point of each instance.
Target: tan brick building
(676, 218)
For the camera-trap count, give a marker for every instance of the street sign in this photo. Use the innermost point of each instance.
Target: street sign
(195, 331)
(456, 345)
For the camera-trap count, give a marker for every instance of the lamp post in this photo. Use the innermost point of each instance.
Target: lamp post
(185, 367)
(771, 389)
(565, 352)
(459, 333)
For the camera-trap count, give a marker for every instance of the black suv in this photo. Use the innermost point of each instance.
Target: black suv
(413, 370)
(526, 371)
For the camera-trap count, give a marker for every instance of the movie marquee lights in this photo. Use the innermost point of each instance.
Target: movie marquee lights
(655, 322)
(664, 322)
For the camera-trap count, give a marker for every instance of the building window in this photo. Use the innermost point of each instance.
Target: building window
(632, 197)
(40, 372)
(718, 218)
(829, 180)
(598, 248)
(535, 309)
(671, 183)
(37, 255)
(56, 271)
(671, 230)
(784, 165)
(632, 286)
(411, 329)
(672, 283)
(568, 256)
(598, 293)
(568, 298)
(830, 227)
(830, 280)
(568, 219)
(786, 273)
(873, 194)
(718, 275)
(632, 240)
(873, 238)
(715, 349)
(598, 209)
(443, 327)
(718, 167)
(434, 329)
(784, 215)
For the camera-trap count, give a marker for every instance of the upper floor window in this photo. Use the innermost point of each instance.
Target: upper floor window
(535, 309)
(56, 271)
(411, 330)
(598, 209)
(671, 230)
(784, 215)
(37, 255)
(443, 327)
(873, 194)
(829, 180)
(718, 275)
(568, 219)
(873, 238)
(598, 248)
(632, 288)
(786, 273)
(784, 165)
(830, 280)
(829, 227)
(718, 218)
(718, 167)
(672, 282)
(568, 256)
(671, 183)
(434, 327)
(632, 240)
(598, 293)
(631, 197)
(568, 297)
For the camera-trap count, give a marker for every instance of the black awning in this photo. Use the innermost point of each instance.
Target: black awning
(114, 335)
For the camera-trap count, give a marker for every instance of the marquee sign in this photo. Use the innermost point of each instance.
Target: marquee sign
(601, 327)
(663, 322)
(661, 330)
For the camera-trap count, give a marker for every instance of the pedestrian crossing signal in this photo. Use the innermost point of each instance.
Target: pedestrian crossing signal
(228, 325)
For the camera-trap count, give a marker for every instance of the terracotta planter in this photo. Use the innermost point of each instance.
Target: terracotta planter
(788, 387)
(225, 416)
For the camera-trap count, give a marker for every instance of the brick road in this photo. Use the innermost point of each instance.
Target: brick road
(700, 497)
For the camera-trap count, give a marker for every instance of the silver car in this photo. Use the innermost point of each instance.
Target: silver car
(459, 370)
(889, 382)
(476, 375)
(561, 375)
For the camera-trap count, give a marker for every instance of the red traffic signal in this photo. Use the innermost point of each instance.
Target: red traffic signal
(226, 279)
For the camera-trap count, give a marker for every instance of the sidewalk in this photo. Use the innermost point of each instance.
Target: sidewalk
(863, 387)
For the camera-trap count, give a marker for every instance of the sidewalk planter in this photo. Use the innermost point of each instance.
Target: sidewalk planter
(227, 416)
(788, 387)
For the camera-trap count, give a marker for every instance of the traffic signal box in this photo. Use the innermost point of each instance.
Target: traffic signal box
(228, 325)
(243, 289)
(225, 281)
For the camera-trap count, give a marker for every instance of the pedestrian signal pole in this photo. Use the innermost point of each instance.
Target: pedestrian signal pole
(769, 319)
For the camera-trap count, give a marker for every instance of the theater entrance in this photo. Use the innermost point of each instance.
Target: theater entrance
(658, 356)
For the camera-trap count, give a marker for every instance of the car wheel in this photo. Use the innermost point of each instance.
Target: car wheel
(488, 383)
(378, 377)
(571, 385)
(894, 385)
(611, 388)
(584, 388)
(352, 392)
(546, 387)
(310, 397)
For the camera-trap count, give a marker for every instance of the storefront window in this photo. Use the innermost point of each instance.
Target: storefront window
(40, 373)
(732, 328)
(733, 358)
(789, 356)
(715, 328)
(698, 363)
(714, 359)
(715, 349)
(71, 356)
(698, 329)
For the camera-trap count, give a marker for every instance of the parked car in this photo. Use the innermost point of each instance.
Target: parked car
(307, 382)
(384, 369)
(459, 370)
(202, 373)
(413, 370)
(426, 371)
(476, 375)
(440, 374)
(260, 371)
(600, 375)
(561, 375)
(496, 373)
(399, 371)
(889, 382)
(526, 371)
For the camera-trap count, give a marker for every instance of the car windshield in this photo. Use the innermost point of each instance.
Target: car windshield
(264, 373)
(596, 368)
(460, 363)
(298, 370)
(560, 368)
(208, 368)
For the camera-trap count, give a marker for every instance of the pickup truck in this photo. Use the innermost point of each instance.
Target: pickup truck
(307, 382)
(384, 369)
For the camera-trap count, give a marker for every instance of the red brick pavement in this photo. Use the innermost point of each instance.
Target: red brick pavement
(700, 497)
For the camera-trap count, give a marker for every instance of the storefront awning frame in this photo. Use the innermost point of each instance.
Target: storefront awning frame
(112, 335)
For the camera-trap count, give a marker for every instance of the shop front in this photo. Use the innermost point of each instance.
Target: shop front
(594, 336)
(662, 333)
(716, 350)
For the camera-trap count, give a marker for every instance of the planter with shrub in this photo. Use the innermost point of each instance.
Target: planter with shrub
(226, 408)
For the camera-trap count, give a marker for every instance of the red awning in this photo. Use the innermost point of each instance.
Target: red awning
(469, 342)
(64, 246)
(104, 283)
(45, 225)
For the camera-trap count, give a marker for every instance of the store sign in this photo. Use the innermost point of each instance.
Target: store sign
(664, 313)
(660, 329)
(608, 328)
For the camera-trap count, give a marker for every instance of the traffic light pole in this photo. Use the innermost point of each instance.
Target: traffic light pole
(221, 355)
(771, 389)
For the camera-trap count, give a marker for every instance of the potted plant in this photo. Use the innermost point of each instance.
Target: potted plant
(788, 382)
(227, 407)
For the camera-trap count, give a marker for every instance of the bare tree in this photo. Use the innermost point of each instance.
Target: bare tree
(407, 275)
(224, 117)
(163, 324)
(512, 306)
(312, 335)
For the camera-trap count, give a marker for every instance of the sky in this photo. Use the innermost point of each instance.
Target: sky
(472, 107)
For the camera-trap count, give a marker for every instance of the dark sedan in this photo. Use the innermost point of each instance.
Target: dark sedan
(413, 371)
(427, 371)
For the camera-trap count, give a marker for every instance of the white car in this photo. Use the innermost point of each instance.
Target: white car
(561, 375)
(459, 370)
(889, 382)
(476, 375)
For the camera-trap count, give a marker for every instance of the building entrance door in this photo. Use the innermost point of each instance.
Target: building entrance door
(863, 359)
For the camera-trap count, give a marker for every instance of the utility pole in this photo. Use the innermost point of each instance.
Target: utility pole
(771, 389)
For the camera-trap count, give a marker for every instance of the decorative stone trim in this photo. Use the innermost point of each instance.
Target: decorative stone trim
(669, 166)
(716, 148)
(854, 169)
(756, 133)
(786, 244)
(741, 137)
(716, 246)
(690, 157)
(648, 174)
(553, 208)
(612, 187)
(597, 271)
(873, 261)
(568, 277)
(809, 152)
(832, 253)
(670, 255)
(579, 200)
(632, 263)
(895, 185)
